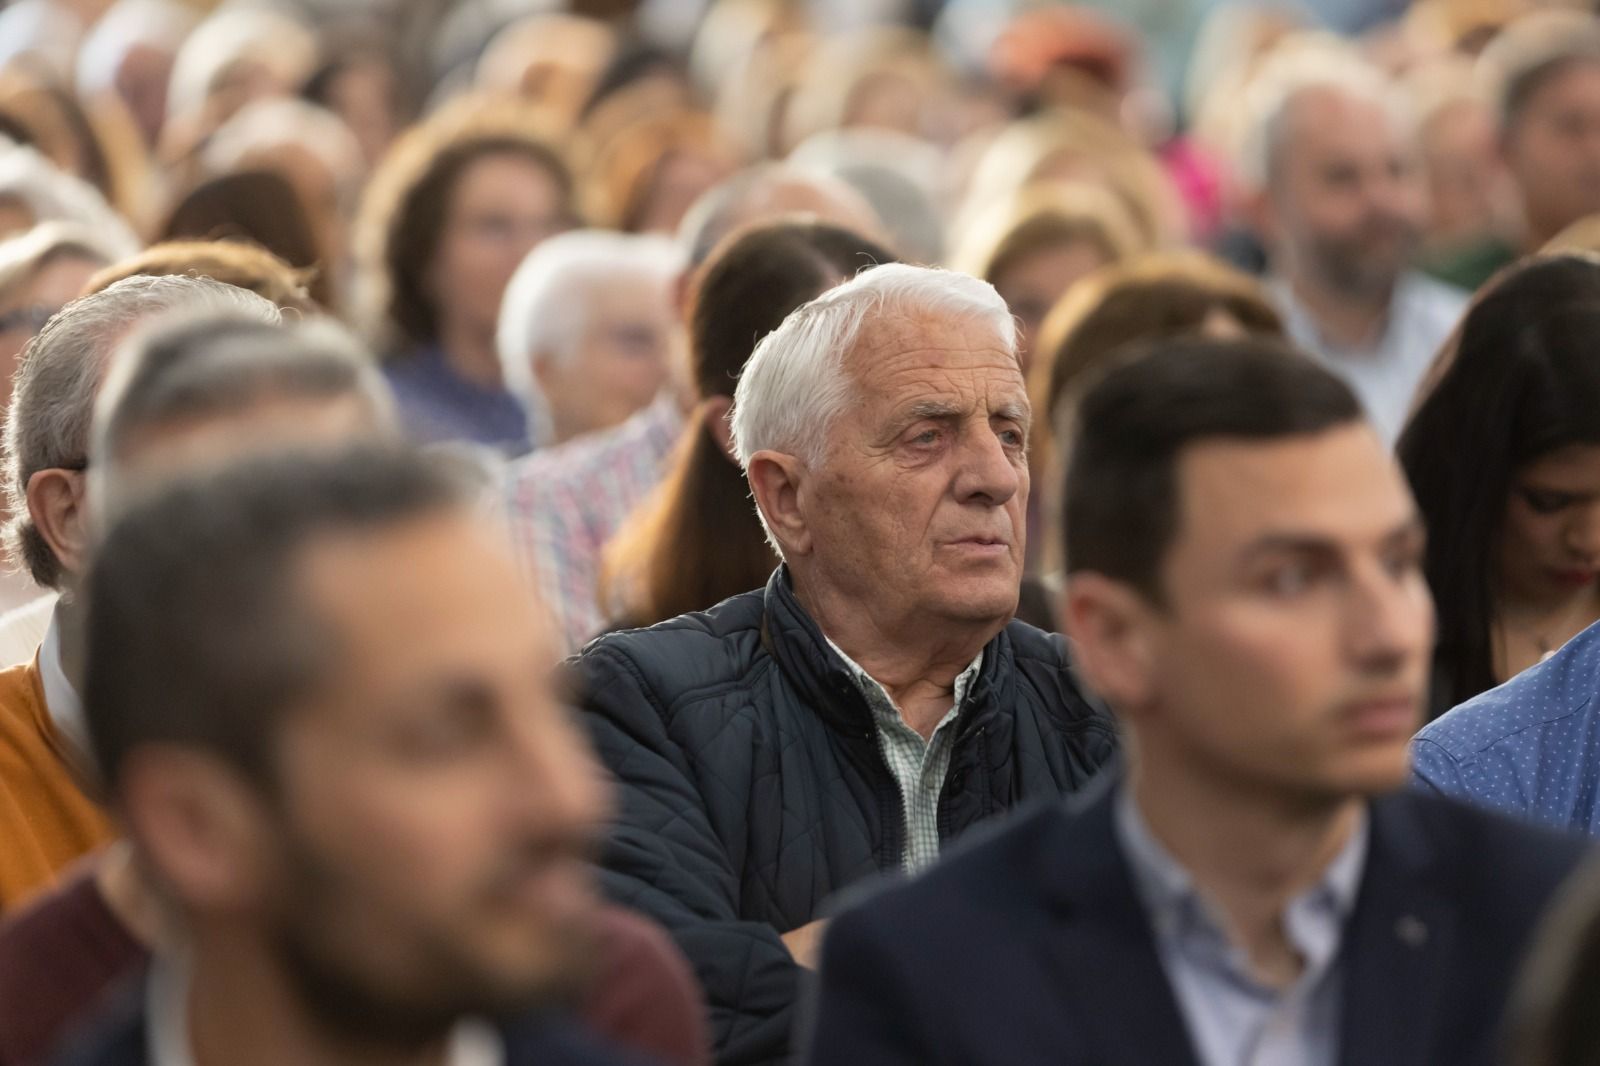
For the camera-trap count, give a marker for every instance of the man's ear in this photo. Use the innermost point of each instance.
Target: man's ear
(202, 828)
(56, 505)
(714, 414)
(1113, 640)
(775, 479)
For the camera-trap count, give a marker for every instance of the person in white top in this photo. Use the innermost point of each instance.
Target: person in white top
(1335, 190)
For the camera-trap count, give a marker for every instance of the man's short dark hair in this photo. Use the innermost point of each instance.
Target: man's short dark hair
(1121, 501)
(196, 635)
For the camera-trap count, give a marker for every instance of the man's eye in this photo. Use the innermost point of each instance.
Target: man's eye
(927, 436)
(1288, 581)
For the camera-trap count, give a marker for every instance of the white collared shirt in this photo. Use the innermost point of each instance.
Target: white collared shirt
(61, 700)
(472, 1042)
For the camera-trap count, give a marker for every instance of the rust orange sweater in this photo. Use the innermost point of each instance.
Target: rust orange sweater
(46, 819)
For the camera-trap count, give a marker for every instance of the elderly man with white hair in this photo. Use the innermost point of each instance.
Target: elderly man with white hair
(588, 328)
(875, 700)
(1336, 190)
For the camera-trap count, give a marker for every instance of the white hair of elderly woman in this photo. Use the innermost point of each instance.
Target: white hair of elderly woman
(278, 41)
(52, 195)
(543, 313)
(23, 255)
(795, 383)
(126, 25)
(263, 125)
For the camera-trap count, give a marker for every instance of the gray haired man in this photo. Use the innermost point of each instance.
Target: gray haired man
(46, 817)
(876, 699)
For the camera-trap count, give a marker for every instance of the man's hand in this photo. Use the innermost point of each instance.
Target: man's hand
(805, 943)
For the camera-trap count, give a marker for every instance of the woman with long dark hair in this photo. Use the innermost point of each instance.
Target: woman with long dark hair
(1504, 458)
(696, 541)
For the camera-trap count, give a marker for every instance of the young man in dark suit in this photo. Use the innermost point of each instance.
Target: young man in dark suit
(338, 750)
(1244, 589)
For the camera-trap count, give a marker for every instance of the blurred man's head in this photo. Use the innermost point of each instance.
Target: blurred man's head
(200, 391)
(48, 424)
(883, 428)
(1244, 579)
(767, 193)
(1331, 155)
(588, 330)
(1544, 74)
(338, 742)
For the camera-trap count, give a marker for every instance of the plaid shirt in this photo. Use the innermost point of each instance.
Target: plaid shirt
(564, 503)
(919, 766)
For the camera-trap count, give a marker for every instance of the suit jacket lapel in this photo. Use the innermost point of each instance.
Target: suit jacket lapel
(1102, 947)
(1397, 947)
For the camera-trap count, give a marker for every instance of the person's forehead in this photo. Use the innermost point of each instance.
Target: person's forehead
(433, 581)
(1339, 486)
(895, 349)
(1326, 115)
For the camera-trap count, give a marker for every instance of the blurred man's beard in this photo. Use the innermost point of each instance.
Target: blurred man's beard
(354, 1003)
(1349, 266)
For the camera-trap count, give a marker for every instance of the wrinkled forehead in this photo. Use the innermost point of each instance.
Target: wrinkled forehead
(896, 352)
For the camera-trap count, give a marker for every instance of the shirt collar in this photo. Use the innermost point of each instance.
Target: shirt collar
(472, 1042)
(1176, 905)
(61, 700)
(883, 707)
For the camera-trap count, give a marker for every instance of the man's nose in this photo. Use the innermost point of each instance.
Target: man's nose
(1390, 620)
(987, 470)
(555, 781)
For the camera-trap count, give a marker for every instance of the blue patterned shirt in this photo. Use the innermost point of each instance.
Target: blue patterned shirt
(1530, 748)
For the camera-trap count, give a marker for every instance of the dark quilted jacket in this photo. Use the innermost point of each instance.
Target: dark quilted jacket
(753, 789)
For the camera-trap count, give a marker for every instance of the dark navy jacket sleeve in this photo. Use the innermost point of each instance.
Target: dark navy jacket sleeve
(665, 859)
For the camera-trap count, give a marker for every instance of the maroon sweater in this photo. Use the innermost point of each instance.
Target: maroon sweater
(66, 952)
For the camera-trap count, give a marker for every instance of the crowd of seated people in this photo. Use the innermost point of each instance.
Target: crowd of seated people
(751, 532)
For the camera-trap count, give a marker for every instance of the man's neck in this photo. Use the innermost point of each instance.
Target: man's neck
(470, 351)
(242, 1011)
(1248, 851)
(917, 663)
(1348, 320)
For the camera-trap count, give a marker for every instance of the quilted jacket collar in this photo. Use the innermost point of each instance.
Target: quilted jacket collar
(823, 681)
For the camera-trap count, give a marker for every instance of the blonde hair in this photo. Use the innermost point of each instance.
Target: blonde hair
(1036, 150)
(1043, 216)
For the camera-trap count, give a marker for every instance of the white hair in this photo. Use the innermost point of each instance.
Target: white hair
(22, 256)
(1297, 66)
(125, 26)
(52, 195)
(43, 31)
(544, 311)
(263, 125)
(795, 383)
(278, 41)
(52, 404)
(198, 364)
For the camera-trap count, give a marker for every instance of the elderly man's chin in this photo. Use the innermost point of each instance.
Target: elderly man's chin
(985, 587)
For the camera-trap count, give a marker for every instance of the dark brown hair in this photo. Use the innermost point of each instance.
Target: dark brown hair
(258, 207)
(1123, 496)
(406, 206)
(697, 540)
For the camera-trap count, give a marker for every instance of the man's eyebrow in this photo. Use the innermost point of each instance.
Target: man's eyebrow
(1015, 412)
(930, 409)
(1291, 541)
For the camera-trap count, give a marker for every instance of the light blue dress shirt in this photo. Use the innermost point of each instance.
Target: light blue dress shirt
(1530, 747)
(1233, 1019)
(1385, 377)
